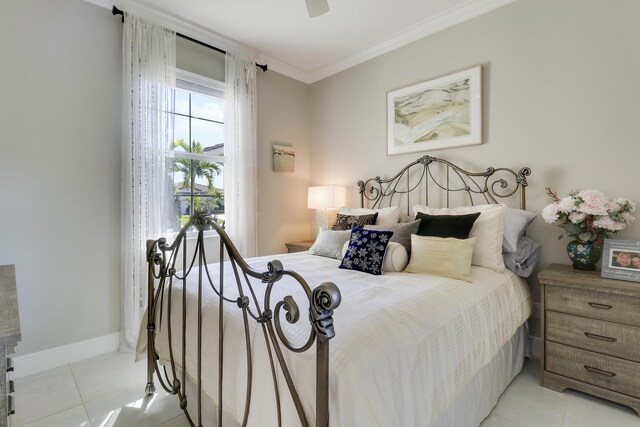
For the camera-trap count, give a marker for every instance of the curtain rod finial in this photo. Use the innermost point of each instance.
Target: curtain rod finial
(116, 11)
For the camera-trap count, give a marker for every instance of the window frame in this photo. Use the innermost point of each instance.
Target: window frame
(199, 84)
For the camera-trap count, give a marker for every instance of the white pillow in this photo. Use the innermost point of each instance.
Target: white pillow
(395, 257)
(386, 216)
(447, 257)
(488, 228)
(515, 223)
(329, 243)
(405, 218)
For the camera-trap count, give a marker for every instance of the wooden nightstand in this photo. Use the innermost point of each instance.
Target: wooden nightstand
(299, 246)
(591, 334)
(9, 337)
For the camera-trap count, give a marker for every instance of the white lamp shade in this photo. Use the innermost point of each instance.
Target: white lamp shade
(326, 197)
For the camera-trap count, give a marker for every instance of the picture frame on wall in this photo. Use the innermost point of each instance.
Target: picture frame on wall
(284, 158)
(440, 113)
(621, 260)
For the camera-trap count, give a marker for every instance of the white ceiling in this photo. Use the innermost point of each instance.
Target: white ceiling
(281, 33)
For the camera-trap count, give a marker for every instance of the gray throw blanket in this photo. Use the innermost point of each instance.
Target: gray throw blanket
(525, 258)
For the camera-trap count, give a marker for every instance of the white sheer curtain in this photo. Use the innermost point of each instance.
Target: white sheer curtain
(148, 81)
(240, 154)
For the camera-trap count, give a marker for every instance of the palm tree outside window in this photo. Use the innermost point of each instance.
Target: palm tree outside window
(198, 147)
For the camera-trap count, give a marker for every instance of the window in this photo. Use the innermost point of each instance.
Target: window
(198, 165)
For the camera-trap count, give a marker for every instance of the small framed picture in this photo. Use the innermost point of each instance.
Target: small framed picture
(621, 260)
(284, 158)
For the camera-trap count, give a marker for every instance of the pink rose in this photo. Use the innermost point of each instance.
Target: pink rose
(608, 224)
(594, 202)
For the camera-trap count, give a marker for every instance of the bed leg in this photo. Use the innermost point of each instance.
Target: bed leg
(322, 383)
(324, 299)
(150, 387)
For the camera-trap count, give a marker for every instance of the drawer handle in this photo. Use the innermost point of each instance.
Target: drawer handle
(599, 371)
(600, 306)
(9, 364)
(600, 337)
(11, 409)
(12, 387)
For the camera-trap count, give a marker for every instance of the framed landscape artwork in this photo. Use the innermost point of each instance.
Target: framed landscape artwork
(284, 158)
(440, 113)
(621, 260)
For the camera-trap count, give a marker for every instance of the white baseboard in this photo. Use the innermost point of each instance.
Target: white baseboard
(536, 346)
(40, 361)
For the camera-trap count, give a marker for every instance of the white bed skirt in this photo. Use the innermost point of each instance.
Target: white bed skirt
(473, 405)
(480, 396)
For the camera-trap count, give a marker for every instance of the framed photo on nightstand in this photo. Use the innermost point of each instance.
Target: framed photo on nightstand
(621, 260)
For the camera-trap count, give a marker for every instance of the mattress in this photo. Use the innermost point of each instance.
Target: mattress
(406, 345)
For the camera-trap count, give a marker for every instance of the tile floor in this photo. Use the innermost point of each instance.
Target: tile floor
(107, 391)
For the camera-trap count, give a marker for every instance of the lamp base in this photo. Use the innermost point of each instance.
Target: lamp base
(324, 219)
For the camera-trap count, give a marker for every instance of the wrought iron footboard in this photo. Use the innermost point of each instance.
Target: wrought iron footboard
(162, 273)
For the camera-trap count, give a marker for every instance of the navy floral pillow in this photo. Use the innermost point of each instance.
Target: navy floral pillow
(366, 250)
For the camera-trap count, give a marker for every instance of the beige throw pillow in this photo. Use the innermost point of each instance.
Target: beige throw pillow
(488, 228)
(439, 256)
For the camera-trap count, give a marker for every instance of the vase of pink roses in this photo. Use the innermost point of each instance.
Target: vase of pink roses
(589, 217)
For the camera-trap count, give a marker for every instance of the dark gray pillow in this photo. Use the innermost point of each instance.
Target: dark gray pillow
(402, 232)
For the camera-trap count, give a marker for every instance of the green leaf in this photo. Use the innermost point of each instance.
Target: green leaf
(586, 237)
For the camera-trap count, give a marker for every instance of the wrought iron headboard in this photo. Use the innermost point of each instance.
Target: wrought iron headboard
(162, 275)
(415, 179)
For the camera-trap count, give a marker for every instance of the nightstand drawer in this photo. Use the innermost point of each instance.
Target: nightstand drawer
(595, 335)
(597, 305)
(603, 371)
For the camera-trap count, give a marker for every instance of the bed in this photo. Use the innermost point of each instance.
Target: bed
(298, 349)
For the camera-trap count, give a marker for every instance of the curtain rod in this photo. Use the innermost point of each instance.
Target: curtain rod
(263, 67)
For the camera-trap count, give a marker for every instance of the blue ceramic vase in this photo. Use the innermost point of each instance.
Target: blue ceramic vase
(584, 255)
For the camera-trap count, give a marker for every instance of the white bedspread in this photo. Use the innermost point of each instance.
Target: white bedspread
(405, 344)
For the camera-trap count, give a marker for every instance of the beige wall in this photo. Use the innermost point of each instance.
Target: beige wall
(283, 118)
(199, 59)
(60, 119)
(560, 95)
(60, 167)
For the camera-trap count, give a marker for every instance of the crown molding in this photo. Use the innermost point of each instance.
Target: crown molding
(465, 12)
(432, 25)
(179, 25)
(102, 3)
(286, 69)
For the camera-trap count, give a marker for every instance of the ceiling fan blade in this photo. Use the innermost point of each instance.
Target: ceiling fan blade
(317, 7)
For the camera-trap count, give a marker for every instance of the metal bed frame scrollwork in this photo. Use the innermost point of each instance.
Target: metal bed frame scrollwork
(489, 185)
(481, 185)
(323, 299)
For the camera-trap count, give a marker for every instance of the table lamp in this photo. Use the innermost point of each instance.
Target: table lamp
(324, 199)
